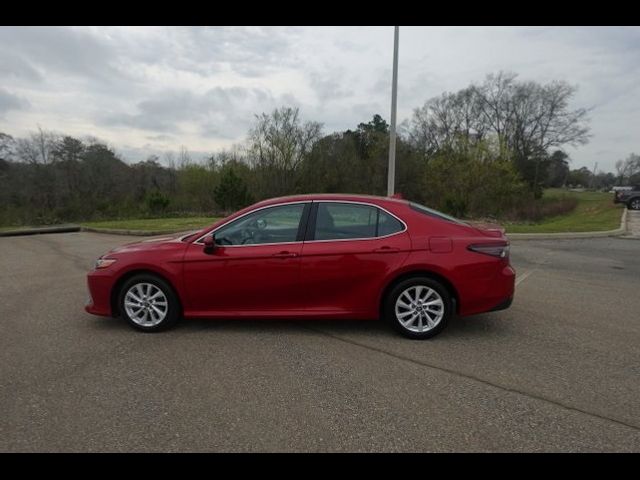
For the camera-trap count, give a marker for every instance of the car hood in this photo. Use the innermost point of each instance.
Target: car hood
(166, 242)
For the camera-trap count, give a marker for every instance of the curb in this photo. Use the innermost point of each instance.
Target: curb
(41, 230)
(568, 235)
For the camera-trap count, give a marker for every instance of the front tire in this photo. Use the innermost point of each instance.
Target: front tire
(634, 204)
(418, 307)
(148, 303)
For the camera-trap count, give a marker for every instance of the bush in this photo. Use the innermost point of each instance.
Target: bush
(473, 179)
(156, 202)
(531, 210)
(232, 192)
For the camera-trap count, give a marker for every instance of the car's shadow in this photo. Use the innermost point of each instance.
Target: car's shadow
(459, 327)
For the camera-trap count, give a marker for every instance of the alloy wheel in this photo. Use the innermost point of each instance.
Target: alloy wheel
(146, 304)
(419, 308)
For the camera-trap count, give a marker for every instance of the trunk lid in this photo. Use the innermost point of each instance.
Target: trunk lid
(489, 229)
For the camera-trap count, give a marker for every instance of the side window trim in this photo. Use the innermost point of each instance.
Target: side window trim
(310, 232)
(305, 211)
(311, 226)
(304, 222)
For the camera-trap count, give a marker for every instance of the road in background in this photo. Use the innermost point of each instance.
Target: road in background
(558, 371)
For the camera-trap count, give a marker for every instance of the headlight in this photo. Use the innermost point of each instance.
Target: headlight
(104, 262)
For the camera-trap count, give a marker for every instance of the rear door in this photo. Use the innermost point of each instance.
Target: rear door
(349, 251)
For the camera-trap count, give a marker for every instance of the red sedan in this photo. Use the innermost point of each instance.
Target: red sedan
(315, 257)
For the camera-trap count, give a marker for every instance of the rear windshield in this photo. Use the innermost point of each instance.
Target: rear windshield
(434, 213)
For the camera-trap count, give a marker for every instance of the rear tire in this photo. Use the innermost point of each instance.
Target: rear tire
(634, 204)
(418, 307)
(148, 303)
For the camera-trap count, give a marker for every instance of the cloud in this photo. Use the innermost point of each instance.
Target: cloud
(9, 101)
(218, 112)
(64, 51)
(154, 88)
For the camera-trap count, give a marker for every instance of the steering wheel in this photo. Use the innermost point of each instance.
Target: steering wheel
(247, 234)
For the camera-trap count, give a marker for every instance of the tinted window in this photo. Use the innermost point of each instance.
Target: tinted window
(338, 221)
(388, 224)
(269, 225)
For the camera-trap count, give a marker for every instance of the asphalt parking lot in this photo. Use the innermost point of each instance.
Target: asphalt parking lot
(558, 371)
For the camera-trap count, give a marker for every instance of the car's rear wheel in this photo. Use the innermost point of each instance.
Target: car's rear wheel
(418, 307)
(634, 204)
(148, 303)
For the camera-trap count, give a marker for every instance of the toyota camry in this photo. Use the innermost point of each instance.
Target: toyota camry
(312, 257)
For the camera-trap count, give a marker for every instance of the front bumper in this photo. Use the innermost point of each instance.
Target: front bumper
(99, 301)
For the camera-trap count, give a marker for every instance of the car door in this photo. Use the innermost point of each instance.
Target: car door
(255, 267)
(348, 254)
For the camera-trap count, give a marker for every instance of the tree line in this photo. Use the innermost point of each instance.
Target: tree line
(486, 150)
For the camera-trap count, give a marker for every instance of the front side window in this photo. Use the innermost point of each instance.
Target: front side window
(270, 225)
(342, 221)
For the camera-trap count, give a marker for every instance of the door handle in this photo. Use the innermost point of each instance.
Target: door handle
(386, 249)
(285, 255)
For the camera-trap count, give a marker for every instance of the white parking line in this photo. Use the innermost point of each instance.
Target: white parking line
(523, 277)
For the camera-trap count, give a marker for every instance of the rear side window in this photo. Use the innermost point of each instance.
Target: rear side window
(388, 225)
(343, 221)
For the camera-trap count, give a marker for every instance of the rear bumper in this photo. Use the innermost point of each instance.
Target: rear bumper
(493, 294)
(502, 305)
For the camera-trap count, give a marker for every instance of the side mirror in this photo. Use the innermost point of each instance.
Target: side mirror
(209, 243)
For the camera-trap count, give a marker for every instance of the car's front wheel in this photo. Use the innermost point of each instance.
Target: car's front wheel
(634, 204)
(418, 307)
(148, 303)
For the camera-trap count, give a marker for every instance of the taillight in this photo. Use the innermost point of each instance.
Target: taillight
(495, 250)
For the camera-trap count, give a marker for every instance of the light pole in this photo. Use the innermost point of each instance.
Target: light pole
(391, 176)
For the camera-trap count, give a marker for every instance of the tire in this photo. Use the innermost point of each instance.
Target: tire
(434, 313)
(634, 204)
(153, 314)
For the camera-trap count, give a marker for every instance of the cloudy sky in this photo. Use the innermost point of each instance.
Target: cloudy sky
(152, 89)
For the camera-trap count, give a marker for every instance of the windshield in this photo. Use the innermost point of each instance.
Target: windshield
(435, 213)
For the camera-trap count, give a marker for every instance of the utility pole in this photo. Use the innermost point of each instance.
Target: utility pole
(391, 175)
(593, 178)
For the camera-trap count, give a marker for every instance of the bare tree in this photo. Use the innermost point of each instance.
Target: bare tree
(527, 118)
(279, 142)
(441, 120)
(7, 146)
(38, 147)
(627, 168)
(184, 159)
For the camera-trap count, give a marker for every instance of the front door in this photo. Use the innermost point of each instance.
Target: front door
(254, 268)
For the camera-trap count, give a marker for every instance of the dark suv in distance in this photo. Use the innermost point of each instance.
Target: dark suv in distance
(630, 197)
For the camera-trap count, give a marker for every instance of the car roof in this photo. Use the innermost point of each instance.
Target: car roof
(348, 197)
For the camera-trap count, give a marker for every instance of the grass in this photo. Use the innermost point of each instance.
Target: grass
(595, 212)
(155, 224)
